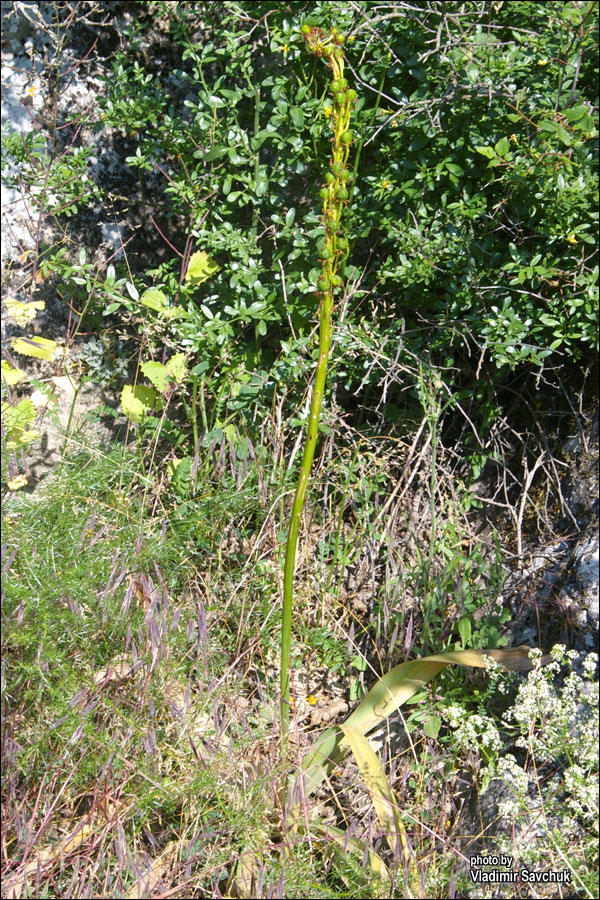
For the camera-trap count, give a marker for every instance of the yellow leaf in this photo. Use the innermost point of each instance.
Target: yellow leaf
(26, 437)
(14, 484)
(389, 693)
(162, 376)
(137, 401)
(39, 347)
(20, 416)
(154, 299)
(177, 368)
(157, 374)
(200, 267)
(10, 375)
(23, 313)
(406, 679)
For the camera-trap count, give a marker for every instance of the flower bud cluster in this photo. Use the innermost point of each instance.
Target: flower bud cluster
(336, 190)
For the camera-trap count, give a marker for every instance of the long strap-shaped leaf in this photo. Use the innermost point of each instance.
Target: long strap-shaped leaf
(388, 695)
(378, 787)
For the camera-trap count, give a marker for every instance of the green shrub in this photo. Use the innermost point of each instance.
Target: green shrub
(473, 202)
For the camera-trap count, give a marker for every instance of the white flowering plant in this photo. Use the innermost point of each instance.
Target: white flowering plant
(540, 760)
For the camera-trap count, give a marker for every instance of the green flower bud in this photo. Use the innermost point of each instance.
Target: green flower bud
(323, 193)
(326, 254)
(342, 244)
(323, 283)
(348, 137)
(345, 175)
(351, 95)
(329, 177)
(336, 281)
(337, 168)
(341, 194)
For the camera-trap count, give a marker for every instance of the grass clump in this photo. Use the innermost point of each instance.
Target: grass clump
(140, 696)
(110, 694)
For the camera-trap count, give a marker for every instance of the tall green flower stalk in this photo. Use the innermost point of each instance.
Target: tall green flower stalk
(334, 194)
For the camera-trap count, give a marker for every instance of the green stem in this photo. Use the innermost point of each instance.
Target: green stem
(256, 158)
(334, 194)
(190, 411)
(76, 389)
(202, 406)
(257, 347)
(325, 331)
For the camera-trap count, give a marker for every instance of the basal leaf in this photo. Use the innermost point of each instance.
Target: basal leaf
(381, 793)
(394, 689)
(389, 693)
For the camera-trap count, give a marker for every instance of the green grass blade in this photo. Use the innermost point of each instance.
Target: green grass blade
(342, 843)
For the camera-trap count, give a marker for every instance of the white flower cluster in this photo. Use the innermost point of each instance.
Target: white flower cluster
(558, 725)
(550, 721)
(473, 731)
(554, 719)
(583, 794)
(517, 780)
